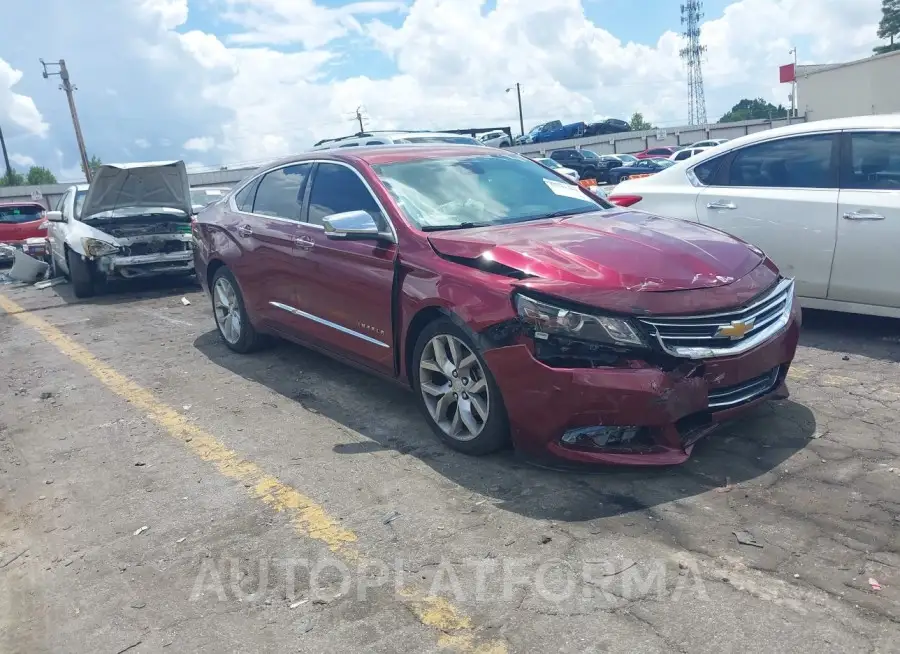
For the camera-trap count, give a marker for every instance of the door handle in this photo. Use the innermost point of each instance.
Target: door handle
(721, 204)
(305, 242)
(864, 214)
(245, 230)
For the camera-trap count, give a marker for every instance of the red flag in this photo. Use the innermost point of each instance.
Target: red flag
(786, 73)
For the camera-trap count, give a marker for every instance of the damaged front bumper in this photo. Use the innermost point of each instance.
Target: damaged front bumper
(136, 257)
(637, 414)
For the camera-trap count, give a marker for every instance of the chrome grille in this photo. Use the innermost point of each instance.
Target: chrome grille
(725, 333)
(730, 396)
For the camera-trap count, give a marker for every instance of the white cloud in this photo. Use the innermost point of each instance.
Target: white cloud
(17, 108)
(265, 79)
(22, 160)
(199, 143)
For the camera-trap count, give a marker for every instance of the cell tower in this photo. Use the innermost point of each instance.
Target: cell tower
(692, 54)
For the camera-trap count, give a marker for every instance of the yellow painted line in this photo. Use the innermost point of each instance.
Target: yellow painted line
(310, 519)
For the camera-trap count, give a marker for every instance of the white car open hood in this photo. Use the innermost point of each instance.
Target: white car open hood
(148, 185)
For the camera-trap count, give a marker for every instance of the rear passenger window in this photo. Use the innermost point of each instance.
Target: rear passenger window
(243, 199)
(374, 142)
(874, 161)
(337, 189)
(280, 192)
(799, 162)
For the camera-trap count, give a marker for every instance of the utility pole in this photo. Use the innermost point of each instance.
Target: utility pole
(793, 51)
(6, 158)
(359, 117)
(519, 96)
(69, 88)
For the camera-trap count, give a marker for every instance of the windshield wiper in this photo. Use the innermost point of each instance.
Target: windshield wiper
(441, 228)
(555, 214)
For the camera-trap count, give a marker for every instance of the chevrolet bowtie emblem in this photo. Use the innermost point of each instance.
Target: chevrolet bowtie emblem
(736, 330)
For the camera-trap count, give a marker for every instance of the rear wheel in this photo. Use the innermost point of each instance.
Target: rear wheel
(231, 316)
(81, 274)
(457, 391)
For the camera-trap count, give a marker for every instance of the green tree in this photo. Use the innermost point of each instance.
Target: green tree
(637, 122)
(756, 109)
(16, 179)
(94, 162)
(38, 175)
(889, 27)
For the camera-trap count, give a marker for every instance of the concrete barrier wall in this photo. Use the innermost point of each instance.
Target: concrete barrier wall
(631, 142)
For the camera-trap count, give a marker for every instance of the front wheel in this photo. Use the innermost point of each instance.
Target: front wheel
(231, 316)
(81, 274)
(457, 392)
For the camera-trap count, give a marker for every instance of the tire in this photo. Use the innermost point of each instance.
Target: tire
(485, 410)
(81, 274)
(241, 336)
(613, 179)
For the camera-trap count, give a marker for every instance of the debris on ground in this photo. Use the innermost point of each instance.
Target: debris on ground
(874, 583)
(545, 540)
(180, 540)
(300, 603)
(130, 647)
(14, 558)
(621, 567)
(139, 464)
(138, 605)
(46, 395)
(846, 357)
(746, 538)
(727, 488)
(185, 301)
(390, 517)
(56, 281)
(141, 530)
(27, 269)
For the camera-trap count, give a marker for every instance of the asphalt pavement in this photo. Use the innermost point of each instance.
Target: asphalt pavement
(161, 493)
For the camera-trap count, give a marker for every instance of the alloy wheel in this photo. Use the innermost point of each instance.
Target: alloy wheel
(454, 387)
(228, 310)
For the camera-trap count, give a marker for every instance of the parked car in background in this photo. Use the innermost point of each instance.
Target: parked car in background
(20, 221)
(496, 139)
(534, 135)
(822, 199)
(586, 163)
(640, 168)
(393, 138)
(664, 151)
(475, 277)
(608, 126)
(201, 197)
(133, 221)
(570, 131)
(558, 167)
(686, 153)
(710, 143)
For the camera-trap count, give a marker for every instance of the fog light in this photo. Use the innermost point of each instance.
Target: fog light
(601, 436)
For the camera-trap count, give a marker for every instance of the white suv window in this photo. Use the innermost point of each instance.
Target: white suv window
(874, 161)
(797, 162)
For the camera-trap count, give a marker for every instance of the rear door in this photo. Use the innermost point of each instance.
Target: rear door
(268, 235)
(781, 195)
(866, 266)
(346, 296)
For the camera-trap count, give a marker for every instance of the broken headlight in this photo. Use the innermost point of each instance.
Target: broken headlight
(547, 319)
(96, 248)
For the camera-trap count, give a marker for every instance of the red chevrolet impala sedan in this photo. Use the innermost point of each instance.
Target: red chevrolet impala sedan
(514, 303)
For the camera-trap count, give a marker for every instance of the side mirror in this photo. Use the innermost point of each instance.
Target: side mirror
(55, 217)
(351, 226)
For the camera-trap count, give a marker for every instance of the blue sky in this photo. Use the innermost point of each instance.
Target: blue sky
(193, 79)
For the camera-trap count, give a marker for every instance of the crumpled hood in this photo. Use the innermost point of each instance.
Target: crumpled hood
(143, 186)
(610, 250)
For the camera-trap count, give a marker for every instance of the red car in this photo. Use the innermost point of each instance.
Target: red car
(20, 221)
(513, 302)
(663, 152)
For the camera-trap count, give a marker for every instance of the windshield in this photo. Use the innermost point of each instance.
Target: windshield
(627, 158)
(589, 154)
(13, 215)
(204, 196)
(480, 190)
(461, 140)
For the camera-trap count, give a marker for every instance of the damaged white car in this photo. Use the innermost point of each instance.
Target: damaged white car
(133, 221)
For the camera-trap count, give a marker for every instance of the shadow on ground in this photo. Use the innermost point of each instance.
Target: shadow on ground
(869, 336)
(388, 416)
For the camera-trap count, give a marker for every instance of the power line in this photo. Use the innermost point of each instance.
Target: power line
(69, 88)
(692, 54)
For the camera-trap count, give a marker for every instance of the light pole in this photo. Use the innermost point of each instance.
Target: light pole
(518, 88)
(68, 87)
(793, 51)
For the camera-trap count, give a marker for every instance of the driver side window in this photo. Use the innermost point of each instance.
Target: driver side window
(337, 189)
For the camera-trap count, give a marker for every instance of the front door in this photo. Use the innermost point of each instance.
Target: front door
(781, 196)
(268, 233)
(347, 294)
(866, 265)
(56, 231)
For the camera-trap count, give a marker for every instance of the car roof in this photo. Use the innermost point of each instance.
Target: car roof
(24, 203)
(386, 154)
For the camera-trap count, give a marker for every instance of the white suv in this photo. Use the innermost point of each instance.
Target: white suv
(389, 138)
(822, 199)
